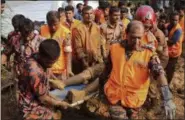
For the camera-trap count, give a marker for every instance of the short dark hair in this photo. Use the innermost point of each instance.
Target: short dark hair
(86, 8)
(51, 15)
(174, 13)
(124, 10)
(17, 20)
(27, 26)
(129, 4)
(104, 5)
(60, 10)
(50, 48)
(121, 3)
(69, 8)
(113, 9)
(163, 16)
(3, 1)
(78, 5)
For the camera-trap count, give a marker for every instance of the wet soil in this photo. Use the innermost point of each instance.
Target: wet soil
(9, 110)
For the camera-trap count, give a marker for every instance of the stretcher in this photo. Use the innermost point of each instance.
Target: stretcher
(63, 93)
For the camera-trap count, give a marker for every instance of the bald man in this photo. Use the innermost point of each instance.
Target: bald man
(129, 67)
(125, 80)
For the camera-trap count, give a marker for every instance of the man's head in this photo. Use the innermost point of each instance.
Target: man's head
(174, 18)
(69, 1)
(105, 6)
(114, 14)
(124, 12)
(129, 4)
(69, 10)
(53, 20)
(27, 29)
(16, 21)
(49, 52)
(180, 7)
(61, 12)
(121, 4)
(87, 14)
(135, 32)
(79, 6)
(85, 2)
(162, 20)
(2, 6)
(181, 11)
(147, 16)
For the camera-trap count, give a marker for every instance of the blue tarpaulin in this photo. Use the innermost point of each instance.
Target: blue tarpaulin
(62, 93)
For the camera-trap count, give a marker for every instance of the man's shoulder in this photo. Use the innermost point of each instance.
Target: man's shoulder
(45, 26)
(64, 29)
(179, 30)
(39, 38)
(77, 21)
(14, 34)
(32, 65)
(80, 26)
(159, 33)
(121, 25)
(103, 26)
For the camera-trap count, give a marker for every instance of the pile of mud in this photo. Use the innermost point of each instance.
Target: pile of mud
(177, 83)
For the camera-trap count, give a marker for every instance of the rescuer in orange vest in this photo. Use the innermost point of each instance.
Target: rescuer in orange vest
(174, 44)
(181, 19)
(129, 67)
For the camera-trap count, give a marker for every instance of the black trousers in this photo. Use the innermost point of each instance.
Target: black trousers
(170, 69)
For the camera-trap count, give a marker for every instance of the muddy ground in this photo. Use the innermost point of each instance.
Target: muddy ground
(9, 109)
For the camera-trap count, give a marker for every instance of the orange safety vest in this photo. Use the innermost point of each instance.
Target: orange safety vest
(74, 24)
(176, 49)
(129, 80)
(125, 23)
(149, 38)
(59, 66)
(181, 22)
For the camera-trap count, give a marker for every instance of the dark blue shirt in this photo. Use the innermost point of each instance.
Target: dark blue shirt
(177, 34)
(78, 16)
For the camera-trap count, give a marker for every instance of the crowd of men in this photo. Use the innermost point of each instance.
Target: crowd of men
(126, 55)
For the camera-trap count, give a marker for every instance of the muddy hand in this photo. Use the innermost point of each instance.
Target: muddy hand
(170, 109)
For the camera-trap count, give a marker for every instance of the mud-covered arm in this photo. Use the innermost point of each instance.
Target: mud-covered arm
(40, 90)
(68, 53)
(157, 70)
(158, 73)
(106, 72)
